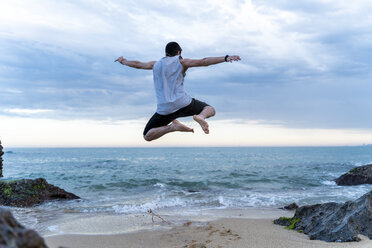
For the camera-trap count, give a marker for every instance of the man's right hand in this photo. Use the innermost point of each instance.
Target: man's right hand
(120, 60)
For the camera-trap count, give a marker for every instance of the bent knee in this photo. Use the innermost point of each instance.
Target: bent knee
(213, 110)
(147, 138)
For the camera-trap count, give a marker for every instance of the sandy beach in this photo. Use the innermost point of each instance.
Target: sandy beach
(239, 228)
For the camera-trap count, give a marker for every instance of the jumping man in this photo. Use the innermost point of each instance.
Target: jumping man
(172, 100)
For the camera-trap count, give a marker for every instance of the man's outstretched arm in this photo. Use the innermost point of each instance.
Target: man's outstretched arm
(187, 63)
(136, 64)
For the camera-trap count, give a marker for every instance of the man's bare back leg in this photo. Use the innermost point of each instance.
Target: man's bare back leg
(157, 132)
(207, 112)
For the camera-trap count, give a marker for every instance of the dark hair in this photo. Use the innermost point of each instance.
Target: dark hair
(172, 48)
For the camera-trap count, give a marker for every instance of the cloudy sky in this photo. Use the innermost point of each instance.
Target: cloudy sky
(304, 78)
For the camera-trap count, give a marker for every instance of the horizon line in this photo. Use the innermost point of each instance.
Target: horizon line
(150, 147)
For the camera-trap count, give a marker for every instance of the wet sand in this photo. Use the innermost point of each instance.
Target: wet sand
(252, 228)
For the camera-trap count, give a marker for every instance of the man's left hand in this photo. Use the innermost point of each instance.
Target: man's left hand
(233, 58)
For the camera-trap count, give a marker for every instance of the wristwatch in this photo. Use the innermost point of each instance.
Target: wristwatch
(226, 58)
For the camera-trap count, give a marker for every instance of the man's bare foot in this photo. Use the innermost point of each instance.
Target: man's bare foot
(204, 125)
(178, 126)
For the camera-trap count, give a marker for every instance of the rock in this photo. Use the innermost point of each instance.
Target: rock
(29, 192)
(333, 222)
(13, 234)
(356, 176)
(291, 206)
(1, 160)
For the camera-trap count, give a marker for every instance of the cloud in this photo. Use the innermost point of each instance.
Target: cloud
(304, 64)
(27, 111)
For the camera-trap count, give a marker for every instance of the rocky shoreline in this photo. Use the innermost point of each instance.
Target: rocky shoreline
(1, 160)
(333, 222)
(24, 193)
(30, 192)
(13, 234)
(336, 222)
(356, 176)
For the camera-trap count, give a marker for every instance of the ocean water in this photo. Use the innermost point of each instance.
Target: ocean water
(134, 180)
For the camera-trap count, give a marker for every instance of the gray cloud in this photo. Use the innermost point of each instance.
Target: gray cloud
(304, 64)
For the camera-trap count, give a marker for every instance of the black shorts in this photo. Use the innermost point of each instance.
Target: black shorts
(158, 120)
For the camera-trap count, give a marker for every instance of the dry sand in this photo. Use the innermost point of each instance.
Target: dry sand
(227, 232)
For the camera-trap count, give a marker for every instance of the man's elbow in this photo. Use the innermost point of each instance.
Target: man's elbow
(204, 62)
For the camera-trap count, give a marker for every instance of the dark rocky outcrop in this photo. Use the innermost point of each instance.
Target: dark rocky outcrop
(333, 222)
(1, 160)
(13, 234)
(29, 192)
(291, 206)
(356, 176)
